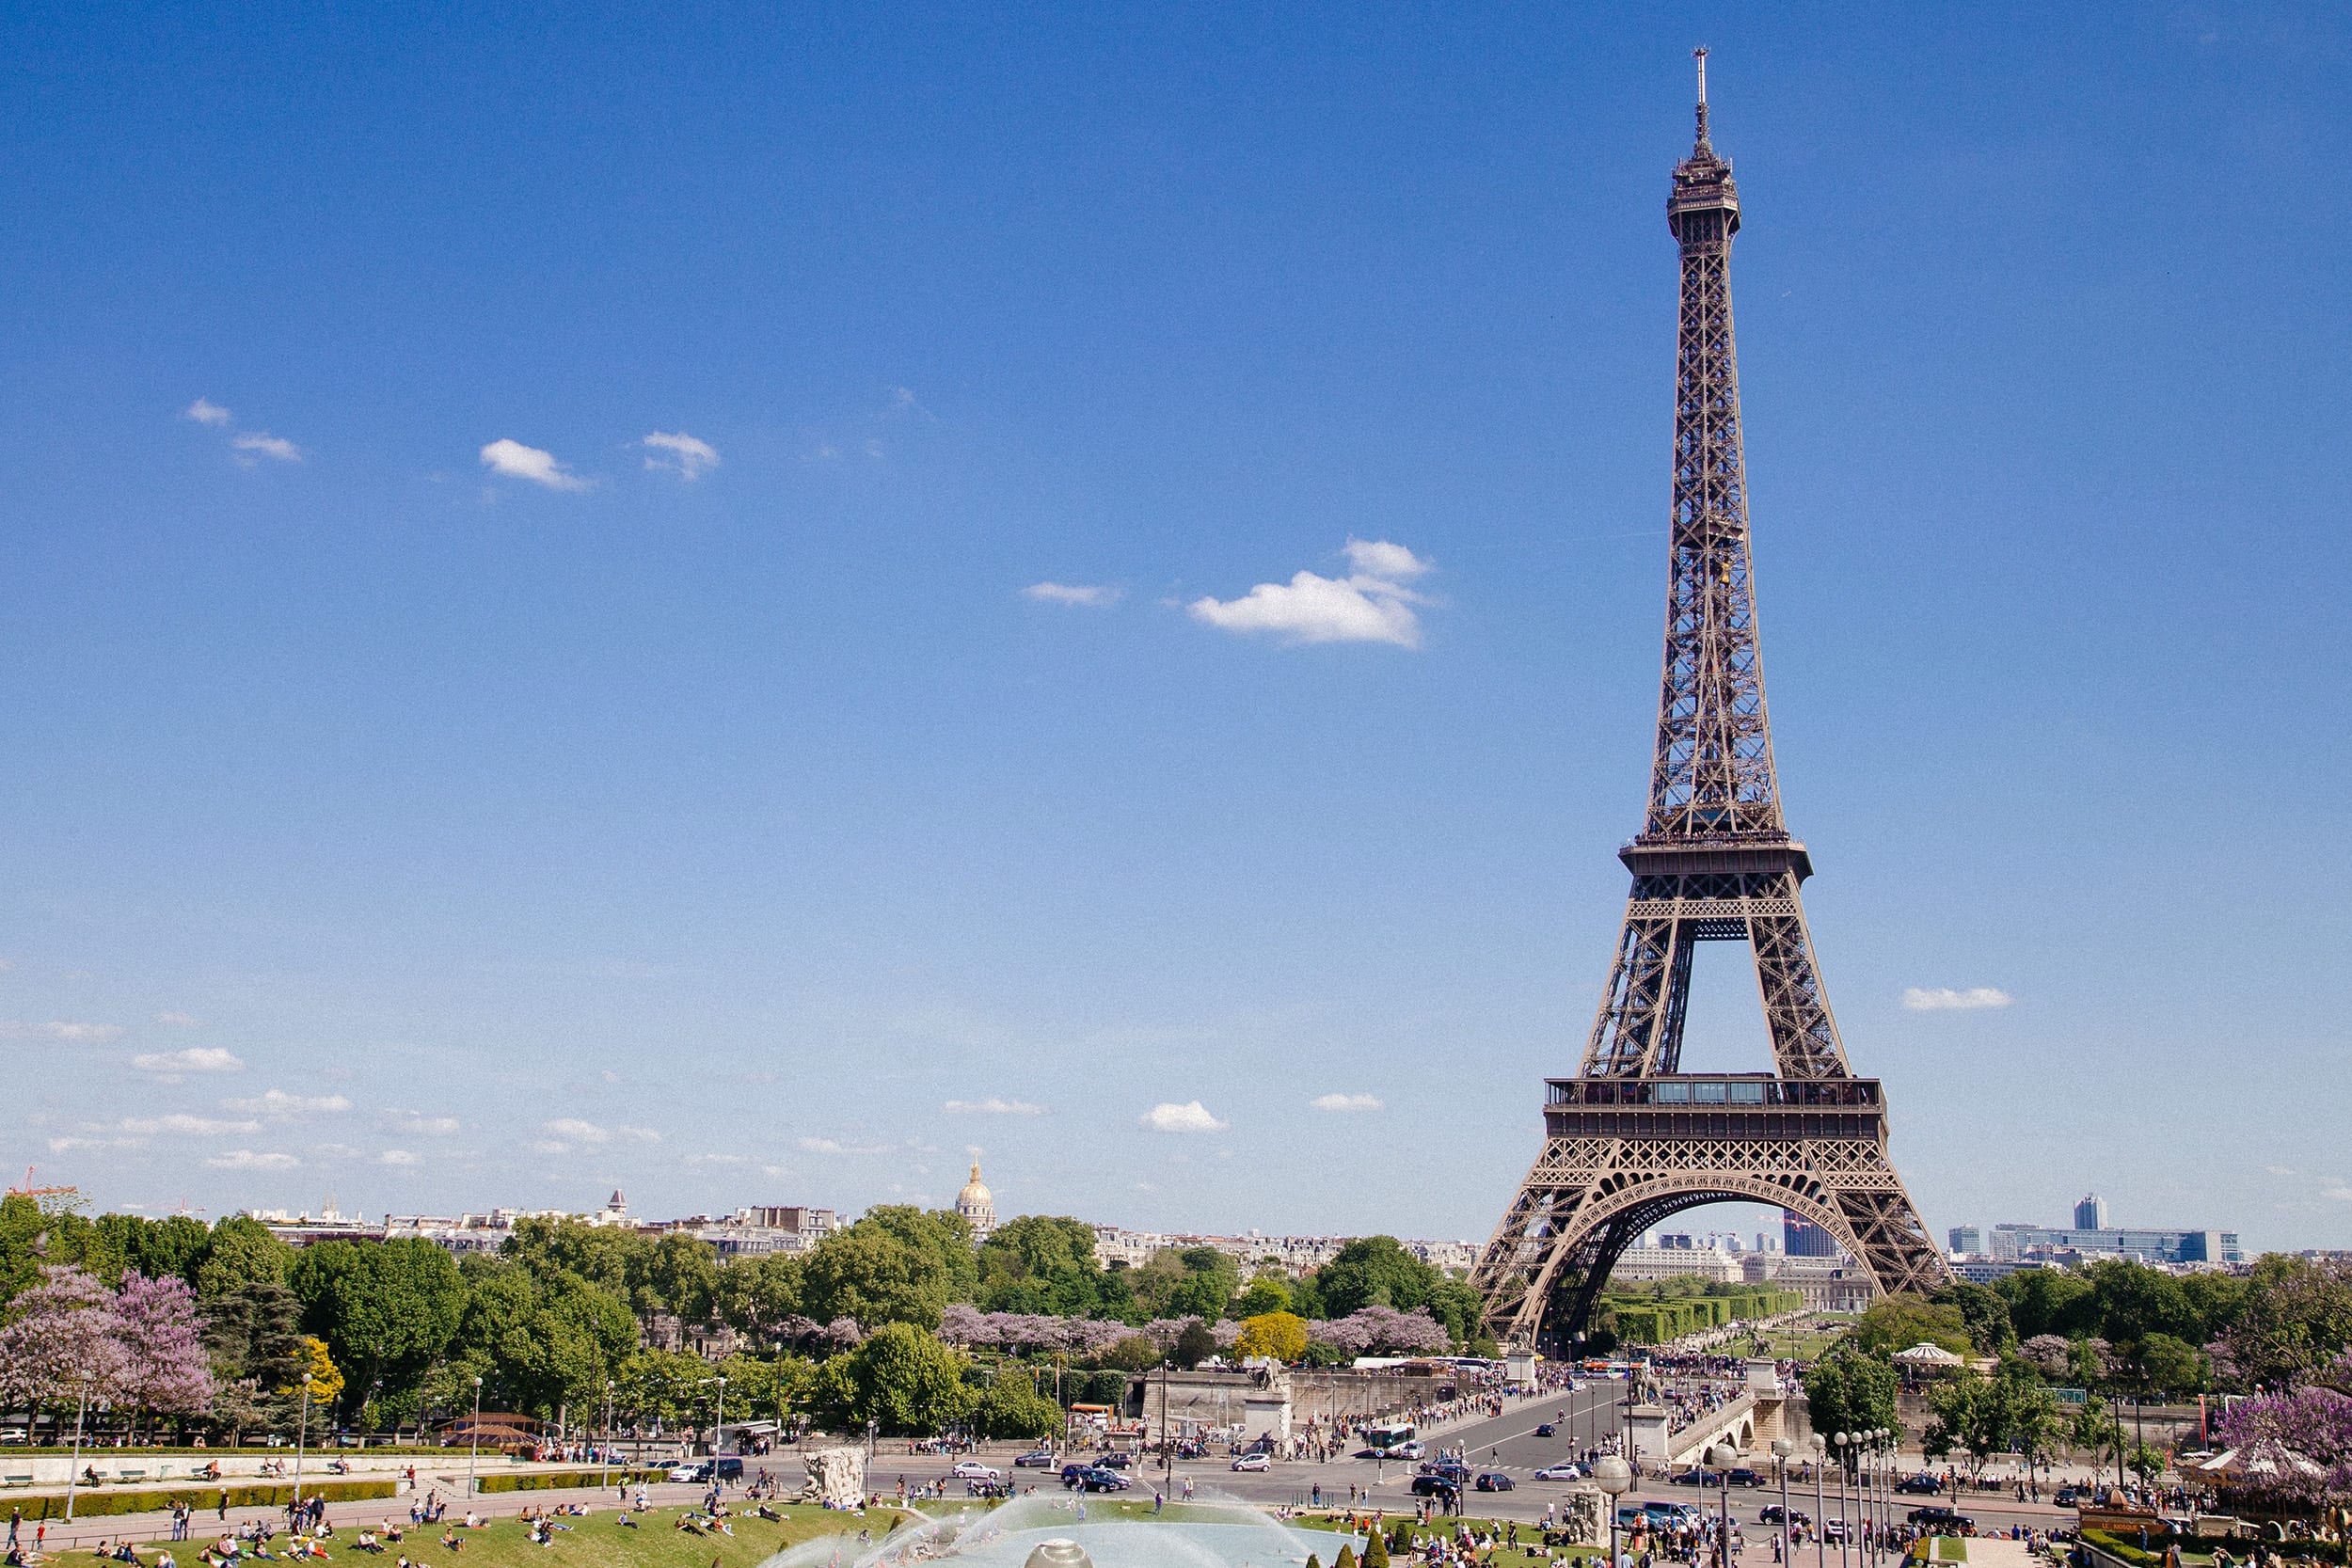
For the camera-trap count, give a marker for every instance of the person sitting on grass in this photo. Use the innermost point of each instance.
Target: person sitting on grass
(450, 1539)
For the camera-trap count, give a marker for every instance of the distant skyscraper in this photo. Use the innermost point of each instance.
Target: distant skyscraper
(1966, 1239)
(2091, 1214)
(1802, 1238)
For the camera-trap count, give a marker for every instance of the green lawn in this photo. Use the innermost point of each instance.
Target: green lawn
(600, 1541)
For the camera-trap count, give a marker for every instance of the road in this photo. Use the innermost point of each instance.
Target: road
(1505, 1443)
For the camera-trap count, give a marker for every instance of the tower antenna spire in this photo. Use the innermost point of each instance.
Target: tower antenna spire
(1700, 54)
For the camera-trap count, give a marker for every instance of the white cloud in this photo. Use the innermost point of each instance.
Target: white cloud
(171, 1065)
(1936, 999)
(70, 1146)
(180, 1122)
(277, 1103)
(688, 457)
(1094, 596)
(992, 1106)
(565, 1134)
(72, 1034)
(1370, 605)
(2280, 1171)
(177, 1020)
(1346, 1102)
(834, 1146)
(417, 1122)
(1191, 1116)
(398, 1157)
(517, 461)
(245, 1159)
(203, 411)
(2338, 1191)
(261, 441)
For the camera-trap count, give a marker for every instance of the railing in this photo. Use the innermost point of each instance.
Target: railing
(1732, 1089)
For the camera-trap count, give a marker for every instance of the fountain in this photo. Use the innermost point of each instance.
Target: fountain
(1076, 1530)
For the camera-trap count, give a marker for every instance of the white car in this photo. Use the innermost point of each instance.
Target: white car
(684, 1472)
(1561, 1472)
(1253, 1462)
(1411, 1449)
(972, 1469)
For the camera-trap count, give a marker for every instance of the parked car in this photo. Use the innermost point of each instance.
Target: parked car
(972, 1469)
(15, 1435)
(1099, 1479)
(1920, 1485)
(1253, 1462)
(1546, 1429)
(1939, 1517)
(1561, 1472)
(1743, 1476)
(1035, 1459)
(686, 1472)
(1495, 1481)
(1114, 1461)
(1770, 1514)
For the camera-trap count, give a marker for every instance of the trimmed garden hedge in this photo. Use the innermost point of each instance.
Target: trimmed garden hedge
(91, 1504)
(558, 1480)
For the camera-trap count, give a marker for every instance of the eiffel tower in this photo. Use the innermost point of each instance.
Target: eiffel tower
(1632, 1138)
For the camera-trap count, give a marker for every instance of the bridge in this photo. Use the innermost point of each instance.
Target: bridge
(1748, 1422)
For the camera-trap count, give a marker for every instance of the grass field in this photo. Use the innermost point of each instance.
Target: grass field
(600, 1541)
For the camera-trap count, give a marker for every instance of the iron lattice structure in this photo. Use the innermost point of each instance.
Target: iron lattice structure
(1632, 1138)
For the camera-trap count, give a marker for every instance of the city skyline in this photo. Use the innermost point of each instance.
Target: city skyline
(1092, 595)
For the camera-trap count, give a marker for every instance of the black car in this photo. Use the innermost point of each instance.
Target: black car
(1096, 1478)
(1770, 1514)
(1920, 1485)
(1035, 1459)
(1695, 1477)
(1113, 1460)
(1436, 1486)
(1453, 1469)
(1941, 1518)
(1744, 1476)
(1494, 1480)
(1073, 1474)
(2067, 1496)
(1546, 1429)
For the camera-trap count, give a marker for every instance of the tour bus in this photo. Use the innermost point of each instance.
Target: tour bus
(1389, 1435)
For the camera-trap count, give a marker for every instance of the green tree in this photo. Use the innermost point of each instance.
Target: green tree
(1898, 1323)
(2048, 1301)
(1194, 1345)
(1268, 1293)
(542, 1346)
(2011, 1411)
(901, 1377)
(387, 1310)
(253, 1336)
(1011, 1407)
(683, 1276)
(1196, 1282)
(2168, 1364)
(240, 1251)
(1374, 1271)
(2294, 1316)
(1454, 1304)
(1851, 1390)
(868, 1273)
(662, 1385)
(1984, 1311)
(1045, 1264)
(754, 1296)
(616, 1258)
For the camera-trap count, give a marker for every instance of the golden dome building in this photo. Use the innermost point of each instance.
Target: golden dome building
(977, 1206)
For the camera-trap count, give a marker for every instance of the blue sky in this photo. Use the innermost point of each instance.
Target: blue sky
(503, 823)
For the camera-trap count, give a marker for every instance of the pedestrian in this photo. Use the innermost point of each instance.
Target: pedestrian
(224, 1505)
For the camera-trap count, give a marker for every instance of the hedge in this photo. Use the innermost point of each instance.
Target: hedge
(94, 1450)
(92, 1505)
(556, 1481)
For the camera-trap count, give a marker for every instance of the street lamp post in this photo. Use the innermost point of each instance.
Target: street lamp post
(1782, 1448)
(72, 1480)
(302, 1433)
(1820, 1506)
(1723, 1456)
(604, 1470)
(475, 1453)
(1614, 1477)
(1844, 1441)
(719, 1427)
